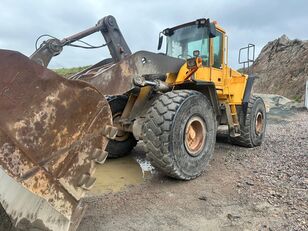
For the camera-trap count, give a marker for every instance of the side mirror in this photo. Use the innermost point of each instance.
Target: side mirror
(160, 41)
(212, 30)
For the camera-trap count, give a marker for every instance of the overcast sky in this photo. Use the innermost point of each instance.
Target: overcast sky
(251, 21)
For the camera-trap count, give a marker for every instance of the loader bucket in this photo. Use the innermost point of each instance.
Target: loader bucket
(52, 131)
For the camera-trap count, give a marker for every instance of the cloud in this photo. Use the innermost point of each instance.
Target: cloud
(255, 21)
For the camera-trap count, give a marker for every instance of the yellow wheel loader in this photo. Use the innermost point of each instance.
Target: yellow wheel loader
(54, 130)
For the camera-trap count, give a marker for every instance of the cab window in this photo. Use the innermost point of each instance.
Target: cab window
(217, 50)
(182, 43)
(203, 46)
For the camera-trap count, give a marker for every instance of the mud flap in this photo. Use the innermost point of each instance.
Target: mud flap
(52, 130)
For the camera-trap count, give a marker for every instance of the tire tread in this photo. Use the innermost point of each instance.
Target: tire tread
(157, 132)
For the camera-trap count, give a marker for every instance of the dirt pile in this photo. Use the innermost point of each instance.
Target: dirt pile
(282, 68)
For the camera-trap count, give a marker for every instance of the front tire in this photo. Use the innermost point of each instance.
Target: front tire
(180, 133)
(124, 141)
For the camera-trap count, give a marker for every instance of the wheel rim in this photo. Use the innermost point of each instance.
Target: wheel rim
(195, 134)
(259, 123)
(121, 135)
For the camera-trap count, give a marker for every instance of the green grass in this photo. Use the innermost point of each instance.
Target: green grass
(66, 72)
(297, 98)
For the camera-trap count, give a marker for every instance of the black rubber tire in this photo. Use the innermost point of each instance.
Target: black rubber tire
(117, 148)
(5, 222)
(164, 129)
(249, 138)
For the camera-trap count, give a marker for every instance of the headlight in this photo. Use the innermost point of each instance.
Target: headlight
(191, 63)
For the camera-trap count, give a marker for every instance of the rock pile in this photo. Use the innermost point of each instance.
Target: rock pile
(282, 68)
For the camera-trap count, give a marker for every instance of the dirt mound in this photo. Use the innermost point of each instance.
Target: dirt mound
(282, 68)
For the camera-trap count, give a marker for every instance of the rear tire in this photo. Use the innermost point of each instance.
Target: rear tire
(252, 128)
(125, 141)
(171, 145)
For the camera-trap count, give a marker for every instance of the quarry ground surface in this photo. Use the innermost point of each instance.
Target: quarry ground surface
(264, 188)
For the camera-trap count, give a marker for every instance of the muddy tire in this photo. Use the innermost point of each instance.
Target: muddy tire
(5, 222)
(125, 141)
(252, 128)
(180, 133)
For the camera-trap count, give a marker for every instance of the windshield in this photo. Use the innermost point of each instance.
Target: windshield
(183, 42)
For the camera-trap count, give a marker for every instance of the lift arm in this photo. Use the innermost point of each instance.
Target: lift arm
(109, 28)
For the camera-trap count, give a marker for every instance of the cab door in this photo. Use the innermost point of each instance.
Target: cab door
(216, 60)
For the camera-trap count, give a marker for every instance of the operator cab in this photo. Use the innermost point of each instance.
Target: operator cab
(184, 39)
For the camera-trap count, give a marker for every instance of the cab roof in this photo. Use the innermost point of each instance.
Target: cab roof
(200, 22)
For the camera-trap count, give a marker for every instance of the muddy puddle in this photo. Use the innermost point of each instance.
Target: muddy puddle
(117, 174)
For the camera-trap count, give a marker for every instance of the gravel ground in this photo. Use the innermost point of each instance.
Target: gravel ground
(264, 188)
(279, 172)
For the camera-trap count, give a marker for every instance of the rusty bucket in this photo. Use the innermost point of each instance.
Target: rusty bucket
(52, 131)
